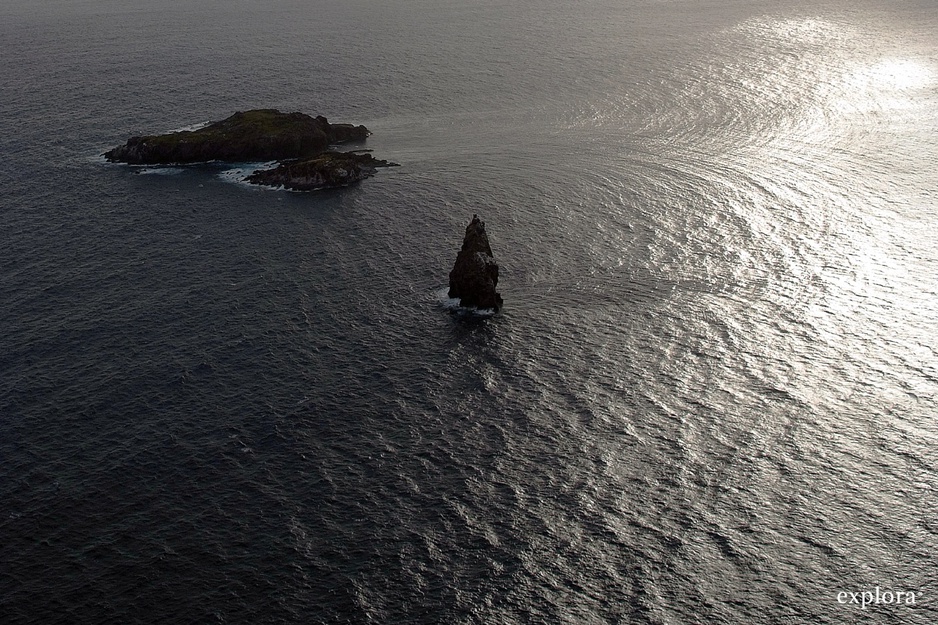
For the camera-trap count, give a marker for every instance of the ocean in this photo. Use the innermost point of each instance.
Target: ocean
(711, 396)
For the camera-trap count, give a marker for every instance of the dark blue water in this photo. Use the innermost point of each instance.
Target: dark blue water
(711, 396)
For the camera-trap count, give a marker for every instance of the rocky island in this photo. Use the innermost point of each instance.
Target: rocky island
(475, 274)
(326, 170)
(298, 141)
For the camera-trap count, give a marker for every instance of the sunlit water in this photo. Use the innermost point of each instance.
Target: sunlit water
(710, 398)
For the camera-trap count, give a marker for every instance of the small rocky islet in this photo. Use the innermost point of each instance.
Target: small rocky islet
(298, 142)
(474, 277)
(324, 171)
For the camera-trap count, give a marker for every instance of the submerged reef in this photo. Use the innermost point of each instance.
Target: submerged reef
(298, 141)
(475, 273)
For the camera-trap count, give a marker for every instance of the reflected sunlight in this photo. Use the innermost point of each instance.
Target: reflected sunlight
(884, 85)
(899, 74)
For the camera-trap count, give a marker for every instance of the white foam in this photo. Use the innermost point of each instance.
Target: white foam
(452, 304)
(159, 171)
(236, 175)
(190, 127)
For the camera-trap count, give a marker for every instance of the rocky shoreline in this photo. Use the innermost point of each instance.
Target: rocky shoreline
(298, 142)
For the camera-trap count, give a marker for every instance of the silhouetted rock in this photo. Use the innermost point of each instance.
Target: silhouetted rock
(327, 170)
(251, 136)
(340, 133)
(475, 274)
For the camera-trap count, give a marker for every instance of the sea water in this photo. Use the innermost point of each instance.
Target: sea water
(711, 394)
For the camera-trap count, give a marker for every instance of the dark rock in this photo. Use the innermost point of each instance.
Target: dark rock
(475, 274)
(251, 136)
(327, 170)
(341, 133)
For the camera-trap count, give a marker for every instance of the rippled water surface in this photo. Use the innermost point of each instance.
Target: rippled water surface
(710, 398)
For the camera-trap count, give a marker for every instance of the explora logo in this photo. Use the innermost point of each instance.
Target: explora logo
(876, 597)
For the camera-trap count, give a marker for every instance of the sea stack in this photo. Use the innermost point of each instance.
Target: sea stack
(475, 274)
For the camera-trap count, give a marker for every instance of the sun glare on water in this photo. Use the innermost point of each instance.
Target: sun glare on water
(897, 74)
(888, 84)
